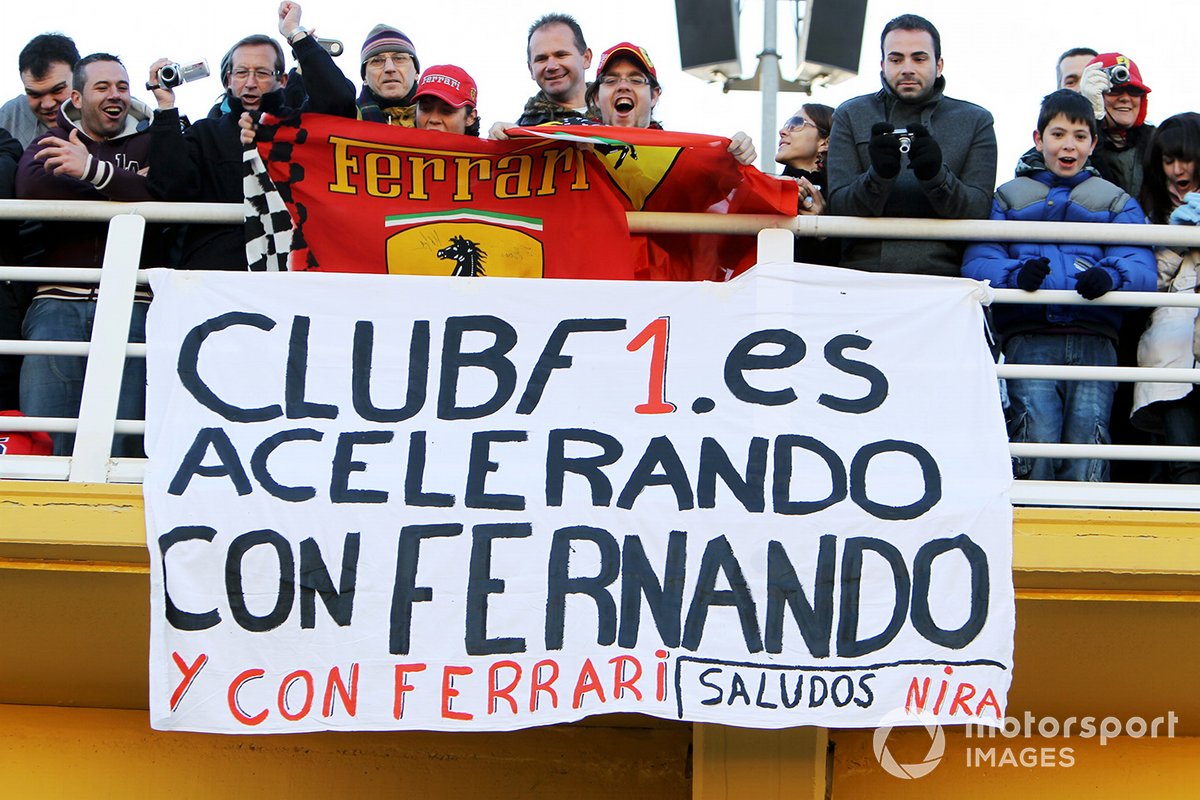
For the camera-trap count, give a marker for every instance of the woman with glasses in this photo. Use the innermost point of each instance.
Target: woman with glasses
(803, 143)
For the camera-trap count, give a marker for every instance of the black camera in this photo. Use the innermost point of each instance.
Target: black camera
(172, 75)
(905, 136)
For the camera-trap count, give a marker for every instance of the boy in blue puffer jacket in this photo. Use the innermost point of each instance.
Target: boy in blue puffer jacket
(1054, 183)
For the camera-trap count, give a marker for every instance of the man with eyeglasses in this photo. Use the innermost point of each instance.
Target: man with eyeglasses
(626, 91)
(389, 72)
(203, 163)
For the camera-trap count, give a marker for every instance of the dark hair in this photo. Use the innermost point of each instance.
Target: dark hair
(46, 49)
(473, 128)
(547, 20)
(1177, 137)
(249, 41)
(821, 116)
(1071, 104)
(1074, 51)
(913, 22)
(79, 73)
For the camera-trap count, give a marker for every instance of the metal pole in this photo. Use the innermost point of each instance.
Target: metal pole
(106, 356)
(768, 66)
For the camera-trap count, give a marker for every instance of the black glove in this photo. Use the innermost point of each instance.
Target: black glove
(1093, 283)
(925, 157)
(884, 150)
(1032, 273)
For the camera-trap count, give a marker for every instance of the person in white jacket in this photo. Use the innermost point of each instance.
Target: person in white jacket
(1171, 193)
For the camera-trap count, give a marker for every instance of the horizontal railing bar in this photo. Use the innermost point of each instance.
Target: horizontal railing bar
(23, 347)
(1079, 373)
(36, 468)
(102, 211)
(63, 424)
(961, 230)
(680, 222)
(1065, 297)
(1113, 452)
(1103, 495)
(59, 274)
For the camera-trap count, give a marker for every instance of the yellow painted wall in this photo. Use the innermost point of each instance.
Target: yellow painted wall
(1123, 769)
(50, 752)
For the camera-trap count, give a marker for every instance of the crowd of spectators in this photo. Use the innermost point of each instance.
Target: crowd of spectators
(907, 150)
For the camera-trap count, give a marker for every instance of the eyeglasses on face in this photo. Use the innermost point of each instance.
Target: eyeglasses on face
(257, 74)
(379, 61)
(612, 81)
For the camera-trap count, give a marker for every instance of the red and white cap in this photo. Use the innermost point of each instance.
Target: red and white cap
(450, 83)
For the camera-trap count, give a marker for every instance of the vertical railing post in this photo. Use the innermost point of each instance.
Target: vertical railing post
(776, 244)
(106, 358)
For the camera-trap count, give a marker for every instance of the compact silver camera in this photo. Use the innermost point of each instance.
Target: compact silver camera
(905, 138)
(172, 75)
(1117, 73)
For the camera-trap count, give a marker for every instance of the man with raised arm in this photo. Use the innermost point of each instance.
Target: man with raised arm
(203, 163)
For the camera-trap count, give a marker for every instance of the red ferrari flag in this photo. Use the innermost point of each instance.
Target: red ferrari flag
(372, 198)
(377, 198)
(657, 170)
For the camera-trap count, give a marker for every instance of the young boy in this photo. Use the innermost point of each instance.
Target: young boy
(1054, 183)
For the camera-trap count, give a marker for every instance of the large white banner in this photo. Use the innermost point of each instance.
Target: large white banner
(388, 502)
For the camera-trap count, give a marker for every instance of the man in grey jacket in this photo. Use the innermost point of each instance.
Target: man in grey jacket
(910, 151)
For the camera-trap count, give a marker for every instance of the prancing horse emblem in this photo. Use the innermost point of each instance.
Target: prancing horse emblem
(468, 256)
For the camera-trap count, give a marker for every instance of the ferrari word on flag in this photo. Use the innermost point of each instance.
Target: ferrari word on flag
(379, 502)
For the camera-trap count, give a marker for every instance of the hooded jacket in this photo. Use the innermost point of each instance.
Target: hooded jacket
(961, 189)
(111, 174)
(1038, 194)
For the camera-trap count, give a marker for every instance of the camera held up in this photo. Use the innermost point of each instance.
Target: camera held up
(172, 75)
(1117, 73)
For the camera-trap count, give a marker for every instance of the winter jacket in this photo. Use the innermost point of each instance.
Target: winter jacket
(540, 109)
(961, 189)
(203, 164)
(1038, 194)
(18, 119)
(1168, 339)
(112, 174)
(1122, 164)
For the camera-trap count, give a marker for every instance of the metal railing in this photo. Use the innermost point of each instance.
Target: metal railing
(90, 461)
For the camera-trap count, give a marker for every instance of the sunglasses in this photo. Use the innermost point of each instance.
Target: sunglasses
(799, 123)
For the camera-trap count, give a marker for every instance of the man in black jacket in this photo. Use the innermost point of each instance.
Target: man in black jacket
(204, 162)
